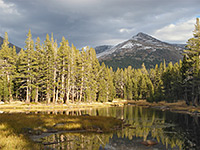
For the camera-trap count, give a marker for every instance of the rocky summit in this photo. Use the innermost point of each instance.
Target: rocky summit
(141, 48)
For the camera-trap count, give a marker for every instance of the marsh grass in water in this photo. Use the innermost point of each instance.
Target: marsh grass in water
(16, 128)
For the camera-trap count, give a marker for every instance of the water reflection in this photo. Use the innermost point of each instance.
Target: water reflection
(170, 130)
(76, 141)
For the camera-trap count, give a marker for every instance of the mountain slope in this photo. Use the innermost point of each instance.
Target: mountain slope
(10, 44)
(102, 48)
(141, 48)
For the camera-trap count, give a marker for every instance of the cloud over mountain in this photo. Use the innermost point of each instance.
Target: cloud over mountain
(94, 22)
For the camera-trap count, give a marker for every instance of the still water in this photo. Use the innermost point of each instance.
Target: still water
(169, 130)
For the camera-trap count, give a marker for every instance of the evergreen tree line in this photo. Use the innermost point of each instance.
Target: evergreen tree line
(156, 84)
(51, 73)
(46, 72)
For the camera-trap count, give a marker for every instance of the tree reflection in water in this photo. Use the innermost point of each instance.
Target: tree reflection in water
(170, 130)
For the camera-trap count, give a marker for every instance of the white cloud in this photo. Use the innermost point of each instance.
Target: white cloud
(8, 8)
(178, 32)
(124, 30)
(112, 41)
(95, 22)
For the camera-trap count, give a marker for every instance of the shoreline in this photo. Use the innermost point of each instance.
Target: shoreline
(31, 107)
(177, 107)
(29, 130)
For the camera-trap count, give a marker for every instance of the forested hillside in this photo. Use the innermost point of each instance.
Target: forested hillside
(52, 73)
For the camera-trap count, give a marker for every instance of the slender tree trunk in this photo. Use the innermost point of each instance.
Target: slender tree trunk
(27, 95)
(48, 98)
(186, 96)
(81, 88)
(68, 92)
(81, 91)
(196, 97)
(196, 100)
(56, 100)
(193, 92)
(48, 93)
(72, 82)
(54, 85)
(68, 85)
(62, 85)
(9, 88)
(73, 92)
(36, 96)
(28, 84)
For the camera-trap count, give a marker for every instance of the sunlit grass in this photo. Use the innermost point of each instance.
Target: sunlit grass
(14, 128)
(18, 106)
(9, 140)
(69, 126)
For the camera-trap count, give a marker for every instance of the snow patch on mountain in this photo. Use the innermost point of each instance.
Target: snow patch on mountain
(107, 52)
(128, 45)
(147, 47)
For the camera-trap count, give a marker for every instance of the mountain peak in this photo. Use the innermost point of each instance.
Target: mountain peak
(141, 48)
(141, 34)
(143, 37)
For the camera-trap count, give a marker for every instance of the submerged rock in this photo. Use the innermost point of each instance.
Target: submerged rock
(85, 115)
(149, 143)
(99, 130)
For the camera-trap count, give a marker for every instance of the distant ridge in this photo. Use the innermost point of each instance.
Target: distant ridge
(141, 48)
(10, 44)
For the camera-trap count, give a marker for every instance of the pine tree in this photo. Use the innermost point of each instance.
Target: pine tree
(155, 76)
(117, 85)
(192, 58)
(55, 89)
(128, 83)
(142, 87)
(177, 77)
(91, 79)
(135, 88)
(167, 78)
(19, 79)
(37, 70)
(49, 68)
(25, 67)
(184, 78)
(81, 75)
(102, 85)
(8, 69)
(110, 83)
(73, 71)
(63, 62)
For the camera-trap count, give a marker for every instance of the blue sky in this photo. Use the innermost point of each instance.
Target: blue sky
(98, 22)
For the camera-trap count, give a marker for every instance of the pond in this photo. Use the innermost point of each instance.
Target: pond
(168, 130)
